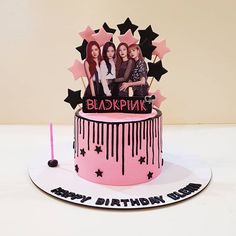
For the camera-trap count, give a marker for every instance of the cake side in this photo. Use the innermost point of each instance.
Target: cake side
(118, 152)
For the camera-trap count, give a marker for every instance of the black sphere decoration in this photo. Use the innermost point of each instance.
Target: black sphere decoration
(53, 163)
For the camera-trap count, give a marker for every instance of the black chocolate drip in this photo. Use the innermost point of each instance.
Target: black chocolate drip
(161, 134)
(88, 135)
(77, 143)
(79, 126)
(83, 129)
(98, 132)
(123, 149)
(107, 144)
(136, 143)
(112, 140)
(155, 120)
(144, 129)
(150, 133)
(102, 133)
(93, 132)
(75, 136)
(152, 142)
(128, 133)
(147, 142)
(158, 143)
(117, 141)
(132, 139)
(140, 135)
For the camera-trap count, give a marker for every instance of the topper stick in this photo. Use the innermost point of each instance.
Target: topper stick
(153, 76)
(52, 162)
(51, 141)
(83, 82)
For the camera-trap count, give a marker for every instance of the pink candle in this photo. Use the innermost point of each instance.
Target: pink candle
(51, 141)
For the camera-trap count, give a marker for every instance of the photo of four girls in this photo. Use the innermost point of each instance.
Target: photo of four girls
(112, 71)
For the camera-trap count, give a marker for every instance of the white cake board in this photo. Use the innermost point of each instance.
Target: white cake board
(177, 173)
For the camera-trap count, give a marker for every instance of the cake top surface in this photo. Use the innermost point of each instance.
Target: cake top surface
(118, 67)
(118, 117)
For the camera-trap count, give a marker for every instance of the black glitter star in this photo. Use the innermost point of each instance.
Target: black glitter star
(149, 175)
(98, 149)
(147, 34)
(76, 168)
(74, 98)
(82, 152)
(147, 48)
(126, 26)
(82, 49)
(99, 173)
(156, 70)
(108, 29)
(141, 160)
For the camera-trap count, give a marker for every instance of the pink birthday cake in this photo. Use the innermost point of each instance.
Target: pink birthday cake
(118, 126)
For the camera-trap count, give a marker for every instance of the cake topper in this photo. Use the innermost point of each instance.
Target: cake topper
(117, 75)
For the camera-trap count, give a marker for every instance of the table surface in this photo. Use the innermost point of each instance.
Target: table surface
(25, 210)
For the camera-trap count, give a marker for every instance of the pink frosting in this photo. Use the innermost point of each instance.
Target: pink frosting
(118, 148)
(117, 117)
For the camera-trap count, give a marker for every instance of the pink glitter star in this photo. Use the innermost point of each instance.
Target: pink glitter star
(77, 69)
(102, 37)
(128, 38)
(87, 34)
(160, 49)
(158, 98)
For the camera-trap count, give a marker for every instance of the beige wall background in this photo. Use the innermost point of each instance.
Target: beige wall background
(38, 40)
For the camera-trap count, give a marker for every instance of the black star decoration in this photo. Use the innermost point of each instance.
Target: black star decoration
(147, 34)
(147, 48)
(149, 175)
(73, 98)
(82, 49)
(141, 160)
(99, 173)
(76, 168)
(98, 149)
(156, 70)
(82, 152)
(108, 29)
(126, 26)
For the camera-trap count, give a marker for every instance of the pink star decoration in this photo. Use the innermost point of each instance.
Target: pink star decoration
(128, 38)
(160, 49)
(87, 34)
(77, 69)
(102, 37)
(158, 98)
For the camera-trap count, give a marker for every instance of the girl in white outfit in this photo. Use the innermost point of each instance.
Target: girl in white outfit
(108, 68)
